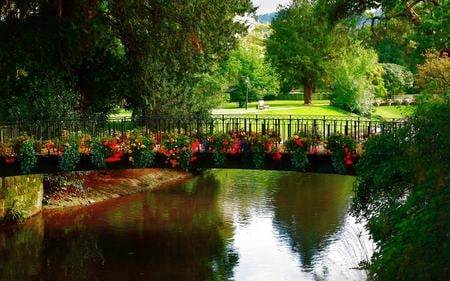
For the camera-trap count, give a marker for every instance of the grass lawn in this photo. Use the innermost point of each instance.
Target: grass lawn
(287, 107)
(392, 112)
(319, 108)
(121, 113)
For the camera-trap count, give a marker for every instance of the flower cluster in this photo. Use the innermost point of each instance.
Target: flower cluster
(140, 148)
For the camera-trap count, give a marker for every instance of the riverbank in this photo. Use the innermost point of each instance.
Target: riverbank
(98, 186)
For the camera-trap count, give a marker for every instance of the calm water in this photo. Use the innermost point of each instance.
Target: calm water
(222, 225)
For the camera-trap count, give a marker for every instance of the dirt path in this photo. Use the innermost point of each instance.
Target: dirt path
(103, 185)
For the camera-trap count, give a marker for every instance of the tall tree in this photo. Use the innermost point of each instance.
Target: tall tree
(169, 42)
(153, 52)
(299, 46)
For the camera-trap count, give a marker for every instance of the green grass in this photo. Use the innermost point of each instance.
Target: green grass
(318, 108)
(121, 113)
(392, 112)
(287, 107)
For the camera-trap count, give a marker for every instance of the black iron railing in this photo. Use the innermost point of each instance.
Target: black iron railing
(286, 126)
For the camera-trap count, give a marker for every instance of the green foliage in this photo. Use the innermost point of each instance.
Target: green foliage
(15, 214)
(27, 156)
(354, 73)
(69, 57)
(343, 149)
(168, 44)
(70, 158)
(298, 149)
(397, 79)
(433, 78)
(299, 46)
(98, 155)
(221, 143)
(258, 155)
(247, 61)
(403, 192)
(144, 156)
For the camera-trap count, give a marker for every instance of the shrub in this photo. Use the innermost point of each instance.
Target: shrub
(343, 149)
(26, 156)
(298, 146)
(70, 158)
(403, 192)
(98, 155)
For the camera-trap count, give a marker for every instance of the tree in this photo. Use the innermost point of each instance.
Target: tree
(151, 52)
(299, 46)
(170, 44)
(433, 77)
(401, 31)
(356, 79)
(247, 61)
(397, 79)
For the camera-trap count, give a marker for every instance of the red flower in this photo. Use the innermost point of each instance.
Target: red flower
(277, 156)
(269, 146)
(9, 160)
(112, 159)
(60, 153)
(48, 146)
(225, 142)
(348, 162)
(298, 142)
(113, 146)
(345, 149)
(105, 143)
(315, 150)
(193, 158)
(195, 145)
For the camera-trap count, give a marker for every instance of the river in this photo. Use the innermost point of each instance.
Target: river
(220, 225)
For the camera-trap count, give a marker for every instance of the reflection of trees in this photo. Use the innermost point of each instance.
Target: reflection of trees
(309, 208)
(253, 187)
(20, 248)
(172, 234)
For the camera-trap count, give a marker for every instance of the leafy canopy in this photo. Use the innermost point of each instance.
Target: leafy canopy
(299, 46)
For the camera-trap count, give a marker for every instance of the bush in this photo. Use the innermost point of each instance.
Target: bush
(27, 156)
(70, 158)
(403, 192)
(98, 155)
(298, 146)
(343, 151)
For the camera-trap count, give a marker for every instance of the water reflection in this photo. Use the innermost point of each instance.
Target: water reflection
(222, 225)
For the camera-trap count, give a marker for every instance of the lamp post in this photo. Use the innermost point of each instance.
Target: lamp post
(247, 81)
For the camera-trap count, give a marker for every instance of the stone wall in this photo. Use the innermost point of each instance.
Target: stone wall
(21, 194)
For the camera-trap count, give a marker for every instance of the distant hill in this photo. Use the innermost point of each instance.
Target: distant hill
(266, 18)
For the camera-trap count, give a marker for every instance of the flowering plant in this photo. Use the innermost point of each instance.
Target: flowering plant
(297, 146)
(344, 151)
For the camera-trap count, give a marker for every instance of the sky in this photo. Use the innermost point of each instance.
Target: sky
(268, 6)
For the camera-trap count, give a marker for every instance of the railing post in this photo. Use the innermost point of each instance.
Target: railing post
(123, 126)
(324, 120)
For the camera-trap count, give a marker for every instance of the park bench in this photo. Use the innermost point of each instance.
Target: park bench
(261, 105)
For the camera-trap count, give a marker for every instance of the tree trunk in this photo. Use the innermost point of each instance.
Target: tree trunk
(308, 89)
(59, 8)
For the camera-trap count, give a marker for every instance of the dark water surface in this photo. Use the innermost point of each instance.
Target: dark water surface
(222, 225)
